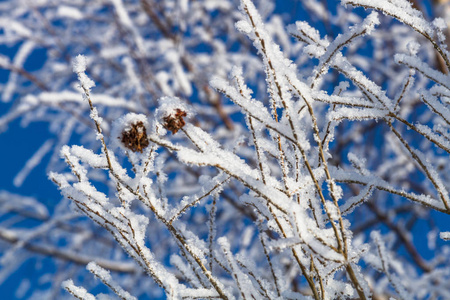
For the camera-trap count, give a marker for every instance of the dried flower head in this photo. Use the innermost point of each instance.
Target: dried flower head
(135, 137)
(174, 121)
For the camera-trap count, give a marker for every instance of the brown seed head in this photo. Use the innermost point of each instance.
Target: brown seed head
(135, 138)
(174, 122)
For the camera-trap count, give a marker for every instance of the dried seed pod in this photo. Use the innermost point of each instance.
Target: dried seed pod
(174, 121)
(135, 137)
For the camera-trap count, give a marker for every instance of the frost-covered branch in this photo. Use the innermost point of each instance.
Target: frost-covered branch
(230, 156)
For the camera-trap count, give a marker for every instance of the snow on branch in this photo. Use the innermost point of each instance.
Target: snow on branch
(77, 291)
(185, 183)
(425, 69)
(106, 278)
(366, 27)
(403, 11)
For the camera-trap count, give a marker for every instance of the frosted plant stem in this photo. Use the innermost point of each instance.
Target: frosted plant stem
(336, 50)
(424, 134)
(423, 166)
(406, 21)
(220, 167)
(199, 262)
(280, 95)
(255, 277)
(320, 279)
(120, 238)
(319, 189)
(233, 272)
(97, 125)
(355, 281)
(280, 148)
(410, 196)
(196, 201)
(327, 130)
(106, 278)
(76, 291)
(183, 242)
(297, 258)
(343, 250)
(149, 160)
(169, 226)
(342, 246)
(212, 232)
(138, 250)
(102, 139)
(269, 260)
(257, 149)
(436, 110)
